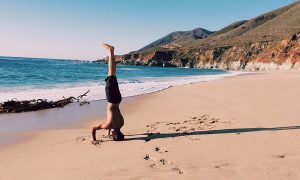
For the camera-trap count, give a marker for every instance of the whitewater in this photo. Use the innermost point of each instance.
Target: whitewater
(53, 79)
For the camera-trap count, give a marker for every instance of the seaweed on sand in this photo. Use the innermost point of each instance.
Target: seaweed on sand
(13, 106)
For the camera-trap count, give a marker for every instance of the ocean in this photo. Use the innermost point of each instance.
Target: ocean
(53, 79)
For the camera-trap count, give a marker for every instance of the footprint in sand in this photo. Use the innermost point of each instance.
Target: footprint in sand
(194, 139)
(88, 139)
(157, 149)
(282, 156)
(221, 165)
(195, 123)
(83, 138)
(147, 157)
(96, 143)
(152, 128)
(160, 150)
(178, 170)
(162, 163)
(188, 125)
(153, 165)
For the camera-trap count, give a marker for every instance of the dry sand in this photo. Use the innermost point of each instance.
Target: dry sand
(246, 127)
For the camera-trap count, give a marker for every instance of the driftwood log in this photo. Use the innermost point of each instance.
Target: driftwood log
(13, 106)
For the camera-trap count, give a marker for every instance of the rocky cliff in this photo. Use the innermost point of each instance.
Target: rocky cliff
(284, 54)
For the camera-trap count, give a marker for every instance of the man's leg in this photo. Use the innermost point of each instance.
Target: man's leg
(111, 59)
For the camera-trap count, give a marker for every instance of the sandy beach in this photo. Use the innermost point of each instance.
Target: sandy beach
(244, 127)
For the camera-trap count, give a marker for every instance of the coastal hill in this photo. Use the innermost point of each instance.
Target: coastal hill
(230, 27)
(268, 41)
(171, 39)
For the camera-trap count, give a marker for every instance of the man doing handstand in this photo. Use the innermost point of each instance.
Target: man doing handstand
(115, 119)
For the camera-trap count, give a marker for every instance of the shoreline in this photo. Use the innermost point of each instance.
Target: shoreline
(246, 126)
(139, 86)
(132, 98)
(47, 114)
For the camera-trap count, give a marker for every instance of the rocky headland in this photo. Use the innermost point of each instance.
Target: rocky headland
(269, 41)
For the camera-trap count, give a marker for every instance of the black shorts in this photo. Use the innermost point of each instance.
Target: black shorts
(112, 90)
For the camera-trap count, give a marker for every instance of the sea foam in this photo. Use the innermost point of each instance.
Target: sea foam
(128, 87)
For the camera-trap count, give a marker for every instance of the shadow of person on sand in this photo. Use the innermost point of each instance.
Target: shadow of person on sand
(150, 136)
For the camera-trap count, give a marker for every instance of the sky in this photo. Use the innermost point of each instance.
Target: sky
(75, 29)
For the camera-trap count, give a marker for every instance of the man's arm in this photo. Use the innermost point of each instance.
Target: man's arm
(94, 131)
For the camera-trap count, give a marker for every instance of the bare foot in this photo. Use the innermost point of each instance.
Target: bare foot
(108, 47)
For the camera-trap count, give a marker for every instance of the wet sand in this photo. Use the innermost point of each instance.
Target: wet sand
(246, 127)
(71, 116)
